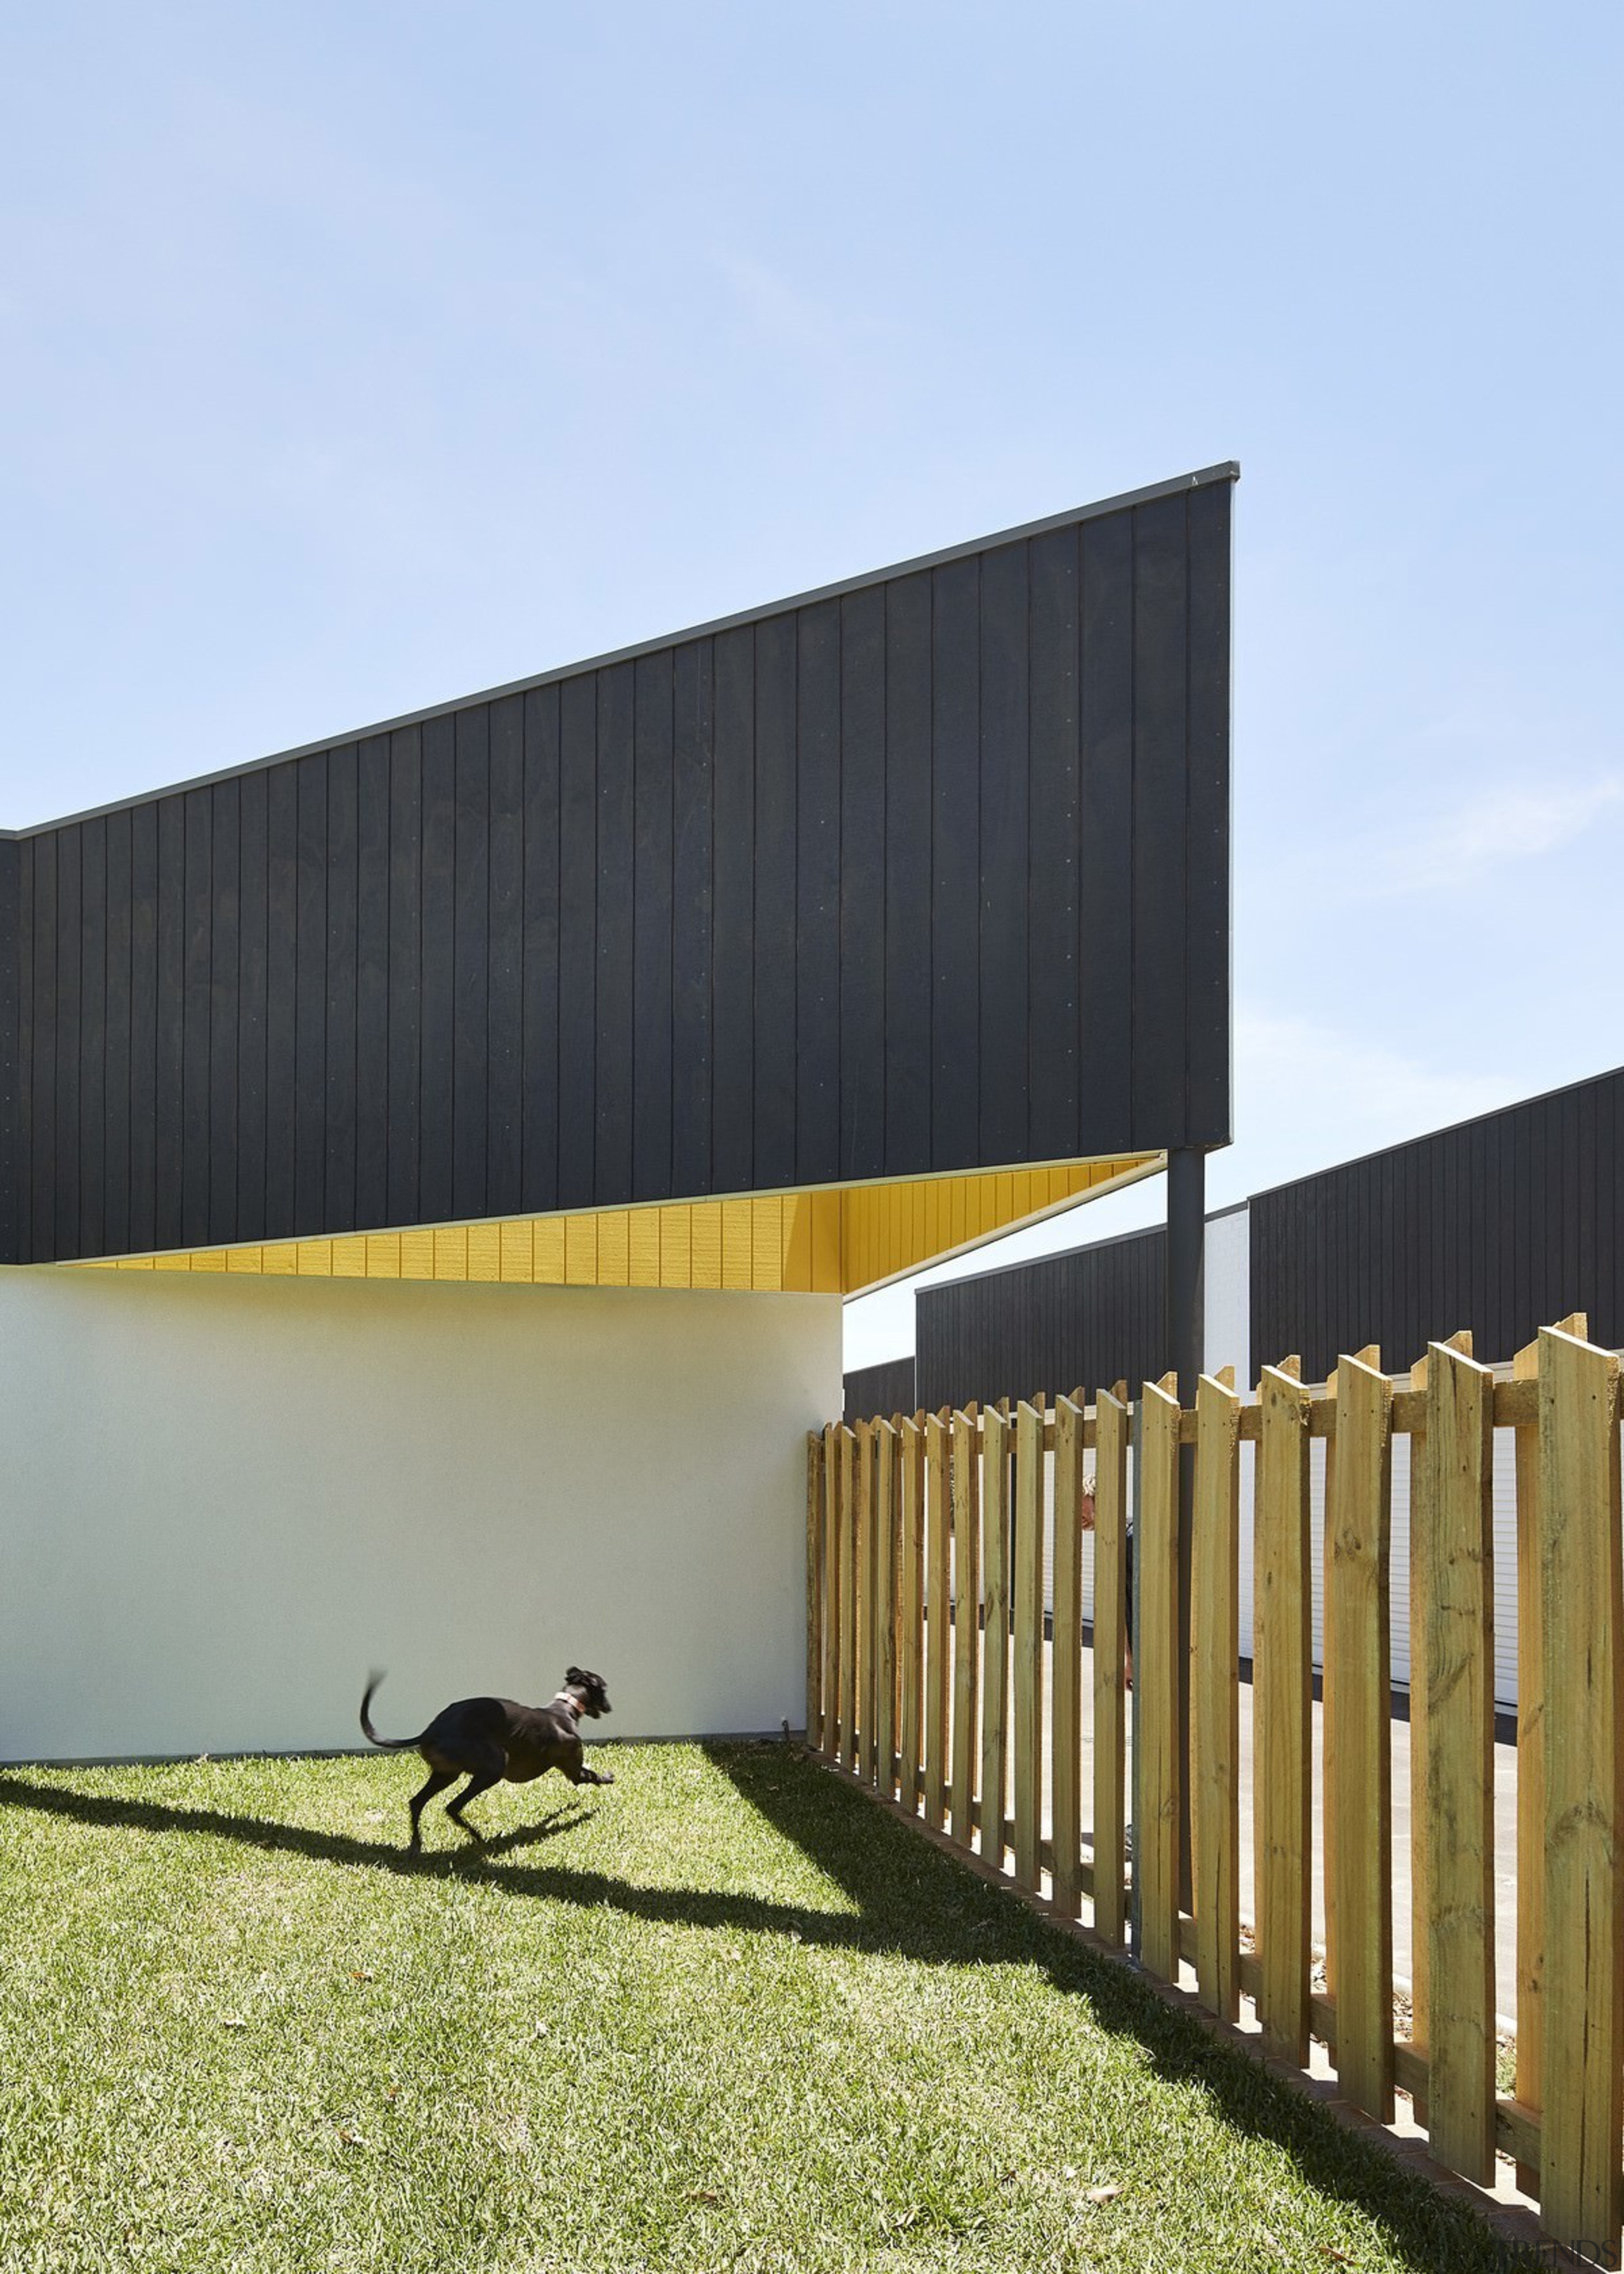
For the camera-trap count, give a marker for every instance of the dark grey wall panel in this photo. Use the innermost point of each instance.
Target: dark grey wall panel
(926, 872)
(773, 1158)
(342, 910)
(862, 882)
(653, 886)
(471, 964)
(692, 925)
(437, 991)
(12, 1116)
(116, 1103)
(93, 1038)
(371, 1006)
(611, 1165)
(733, 986)
(505, 1002)
(1093, 1316)
(1001, 935)
(538, 1150)
(885, 1389)
(1503, 1224)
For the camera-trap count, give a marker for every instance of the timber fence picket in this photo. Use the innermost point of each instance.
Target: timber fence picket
(967, 1495)
(932, 1677)
(938, 1585)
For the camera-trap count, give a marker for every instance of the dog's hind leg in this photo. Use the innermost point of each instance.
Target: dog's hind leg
(486, 1766)
(438, 1779)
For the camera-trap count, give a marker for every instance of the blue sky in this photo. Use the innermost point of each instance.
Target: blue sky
(360, 356)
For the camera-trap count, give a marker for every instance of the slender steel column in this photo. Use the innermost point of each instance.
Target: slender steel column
(1186, 1298)
(1186, 1266)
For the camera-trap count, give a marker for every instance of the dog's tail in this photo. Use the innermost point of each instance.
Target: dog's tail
(390, 1744)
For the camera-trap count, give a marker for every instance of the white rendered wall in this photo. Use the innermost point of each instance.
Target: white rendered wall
(223, 1499)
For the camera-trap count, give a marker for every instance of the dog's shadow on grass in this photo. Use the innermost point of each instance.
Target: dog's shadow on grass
(482, 1862)
(269, 1836)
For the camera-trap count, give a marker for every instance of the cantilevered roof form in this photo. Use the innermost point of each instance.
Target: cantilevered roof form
(794, 952)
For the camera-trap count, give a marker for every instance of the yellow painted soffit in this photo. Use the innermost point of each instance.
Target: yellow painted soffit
(839, 1241)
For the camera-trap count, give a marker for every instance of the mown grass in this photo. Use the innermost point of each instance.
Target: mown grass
(723, 2014)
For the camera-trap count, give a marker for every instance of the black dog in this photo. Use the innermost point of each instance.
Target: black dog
(490, 1739)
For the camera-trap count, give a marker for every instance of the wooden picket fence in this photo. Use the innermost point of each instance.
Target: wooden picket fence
(909, 1535)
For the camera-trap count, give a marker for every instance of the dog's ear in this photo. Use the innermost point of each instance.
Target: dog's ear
(573, 1674)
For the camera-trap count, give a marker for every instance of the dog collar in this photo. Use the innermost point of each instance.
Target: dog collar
(568, 1697)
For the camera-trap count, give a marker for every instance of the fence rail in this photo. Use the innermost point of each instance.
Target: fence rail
(929, 1677)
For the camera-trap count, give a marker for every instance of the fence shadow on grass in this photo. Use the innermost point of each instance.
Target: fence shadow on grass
(920, 1902)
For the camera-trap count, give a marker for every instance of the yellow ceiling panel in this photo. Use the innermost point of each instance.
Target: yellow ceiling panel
(835, 1240)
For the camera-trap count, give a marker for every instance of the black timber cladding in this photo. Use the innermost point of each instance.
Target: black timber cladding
(1082, 1320)
(854, 886)
(1503, 1224)
(887, 1388)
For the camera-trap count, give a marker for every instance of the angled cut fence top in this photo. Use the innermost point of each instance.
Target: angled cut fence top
(930, 1675)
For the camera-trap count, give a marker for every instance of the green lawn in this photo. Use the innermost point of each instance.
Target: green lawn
(726, 2014)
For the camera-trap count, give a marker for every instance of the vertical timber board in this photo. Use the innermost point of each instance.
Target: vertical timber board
(1215, 1696)
(437, 1000)
(815, 1589)
(862, 886)
(1207, 881)
(1156, 1674)
(910, 1668)
(967, 1620)
(1530, 1836)
(1584, 2115)
(955, 789)
(832, 1553)
(1327, 1707)
(1420, 1912)
(653, 925)
(1002, 848)
(1053, 847)
(405, 1005)
(863, 1519)
(1160, 791)
(471, 960)
(694, 835)
(849, 1536)
(1359, 1529)
(906, 927)
(1530, 1862)
(1109, 1644)
(1330, 1816)
(936, 1541)
(1067, 1704)
(1028, 1644)
(614, 1078)
(505, 1066)
(1528, 2086)
(886, 1514)
(1460, 1712)
(772, 855)
(994, 1630)
(1282, 1698)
